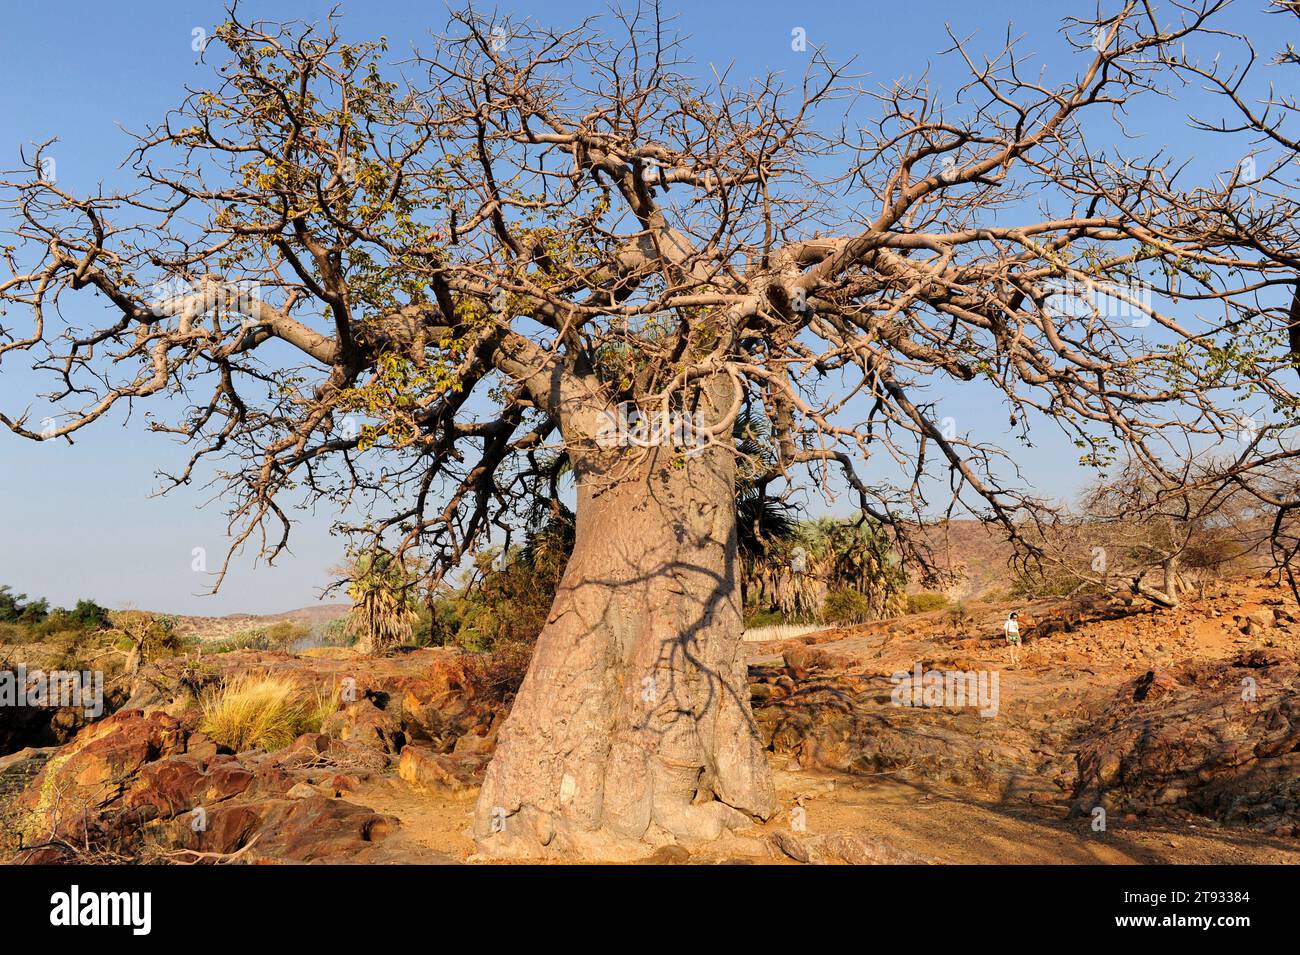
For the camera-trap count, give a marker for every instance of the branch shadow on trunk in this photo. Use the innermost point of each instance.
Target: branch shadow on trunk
(633, 727)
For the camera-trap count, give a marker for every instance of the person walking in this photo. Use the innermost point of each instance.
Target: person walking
(1012, 628)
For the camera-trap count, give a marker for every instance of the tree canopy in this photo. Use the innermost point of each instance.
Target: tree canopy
(405, 293)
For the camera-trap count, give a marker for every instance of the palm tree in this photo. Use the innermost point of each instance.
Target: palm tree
(762, 522)
(798, 570)
(384, 602)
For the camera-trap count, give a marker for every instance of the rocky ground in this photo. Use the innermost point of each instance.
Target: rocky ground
(1127, 734)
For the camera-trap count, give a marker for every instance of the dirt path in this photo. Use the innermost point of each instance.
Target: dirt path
(945, 826)
(956, 828)
(435, 826)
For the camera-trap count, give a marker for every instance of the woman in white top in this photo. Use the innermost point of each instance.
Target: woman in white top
(1012, 628)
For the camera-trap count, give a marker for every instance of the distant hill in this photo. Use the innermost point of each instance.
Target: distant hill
(217, 628)
(975, 554)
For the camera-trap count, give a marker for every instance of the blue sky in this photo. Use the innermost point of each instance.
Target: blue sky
(81, 520)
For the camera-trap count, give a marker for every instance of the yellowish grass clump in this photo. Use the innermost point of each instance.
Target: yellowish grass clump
(264, 711)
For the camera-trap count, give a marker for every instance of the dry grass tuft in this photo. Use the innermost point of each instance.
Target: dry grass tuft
(264, 711)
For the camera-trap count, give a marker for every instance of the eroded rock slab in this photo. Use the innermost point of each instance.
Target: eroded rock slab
(1218, 739)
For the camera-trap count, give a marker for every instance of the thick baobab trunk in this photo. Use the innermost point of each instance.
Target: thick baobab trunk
(633, 726)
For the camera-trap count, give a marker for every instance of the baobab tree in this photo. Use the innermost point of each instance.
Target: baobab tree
(407, 295)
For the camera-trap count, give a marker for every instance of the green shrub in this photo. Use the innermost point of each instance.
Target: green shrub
(765, 618)
(511, 600)
(279, 636)
(13, 609)
(283, 634)
(925, 602)
(88, 615)
(35, 622)
(846, 606)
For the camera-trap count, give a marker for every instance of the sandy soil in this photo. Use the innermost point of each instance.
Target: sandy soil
(947, 827)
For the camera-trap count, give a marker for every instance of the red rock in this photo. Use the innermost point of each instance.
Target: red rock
(309, 829)
(172, 786)
(344, 783)
(423, 767)
(96, 768)
(472, 744)
(1153, 684)
(365, 723)
(1190, 742)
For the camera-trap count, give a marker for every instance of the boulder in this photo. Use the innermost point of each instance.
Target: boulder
(365, 723)
(169, 787)
(848, 723)
(800, 660)
(141, 786)
(459, 774)
(95, 770)
(438, 711)
(311, 828)
(1256, 622)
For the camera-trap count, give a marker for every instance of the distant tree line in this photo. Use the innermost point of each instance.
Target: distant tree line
(15, 608)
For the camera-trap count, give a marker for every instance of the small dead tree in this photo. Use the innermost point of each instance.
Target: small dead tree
(147, 634)
(1137, 524)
